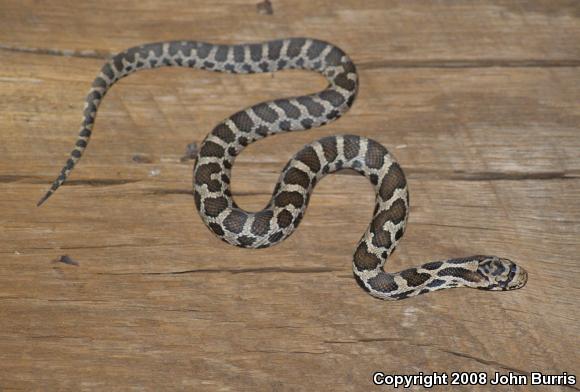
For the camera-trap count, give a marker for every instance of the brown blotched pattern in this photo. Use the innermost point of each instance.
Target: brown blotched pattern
(281, 217)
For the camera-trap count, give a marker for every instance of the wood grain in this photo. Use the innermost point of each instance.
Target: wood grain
(477, 99)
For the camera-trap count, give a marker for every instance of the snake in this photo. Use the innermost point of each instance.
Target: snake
(286, 208)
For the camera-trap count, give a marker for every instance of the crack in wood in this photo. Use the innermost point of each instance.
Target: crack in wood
(235, 271)
(107, 302)
(513, 176)
(412, 172)
(101, 182)
(11, 252)
(153, 308)
(287, 352)
(57, 337)
(89, 53)
(101, 246)
(9, 178)
(161, 191)
(116, 246)
(460, 175)
(456, 226)
(436, 63)
(483, 361)
(365, 340)
(467, 63)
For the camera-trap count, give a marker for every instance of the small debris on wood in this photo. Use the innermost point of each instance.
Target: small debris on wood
(154, 172)
(265, 7)
(141, 158)
(190, 152)
(66, 260)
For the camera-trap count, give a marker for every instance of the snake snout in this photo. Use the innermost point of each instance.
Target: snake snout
(519, 278)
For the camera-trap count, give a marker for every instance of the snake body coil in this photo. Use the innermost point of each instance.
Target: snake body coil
(287, 206)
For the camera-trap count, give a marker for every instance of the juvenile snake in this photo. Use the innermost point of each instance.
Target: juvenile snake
(287, 206)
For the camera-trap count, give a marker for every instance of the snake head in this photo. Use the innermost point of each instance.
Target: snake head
(501, 274)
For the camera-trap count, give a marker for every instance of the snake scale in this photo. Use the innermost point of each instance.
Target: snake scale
(286, 208)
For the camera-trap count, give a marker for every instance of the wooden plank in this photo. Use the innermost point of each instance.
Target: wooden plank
(414, 32)
(479, 102)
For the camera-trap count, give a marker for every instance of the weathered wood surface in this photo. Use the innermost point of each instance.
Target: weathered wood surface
(477, 99)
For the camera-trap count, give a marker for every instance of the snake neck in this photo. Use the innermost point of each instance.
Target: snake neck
(479, 272)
